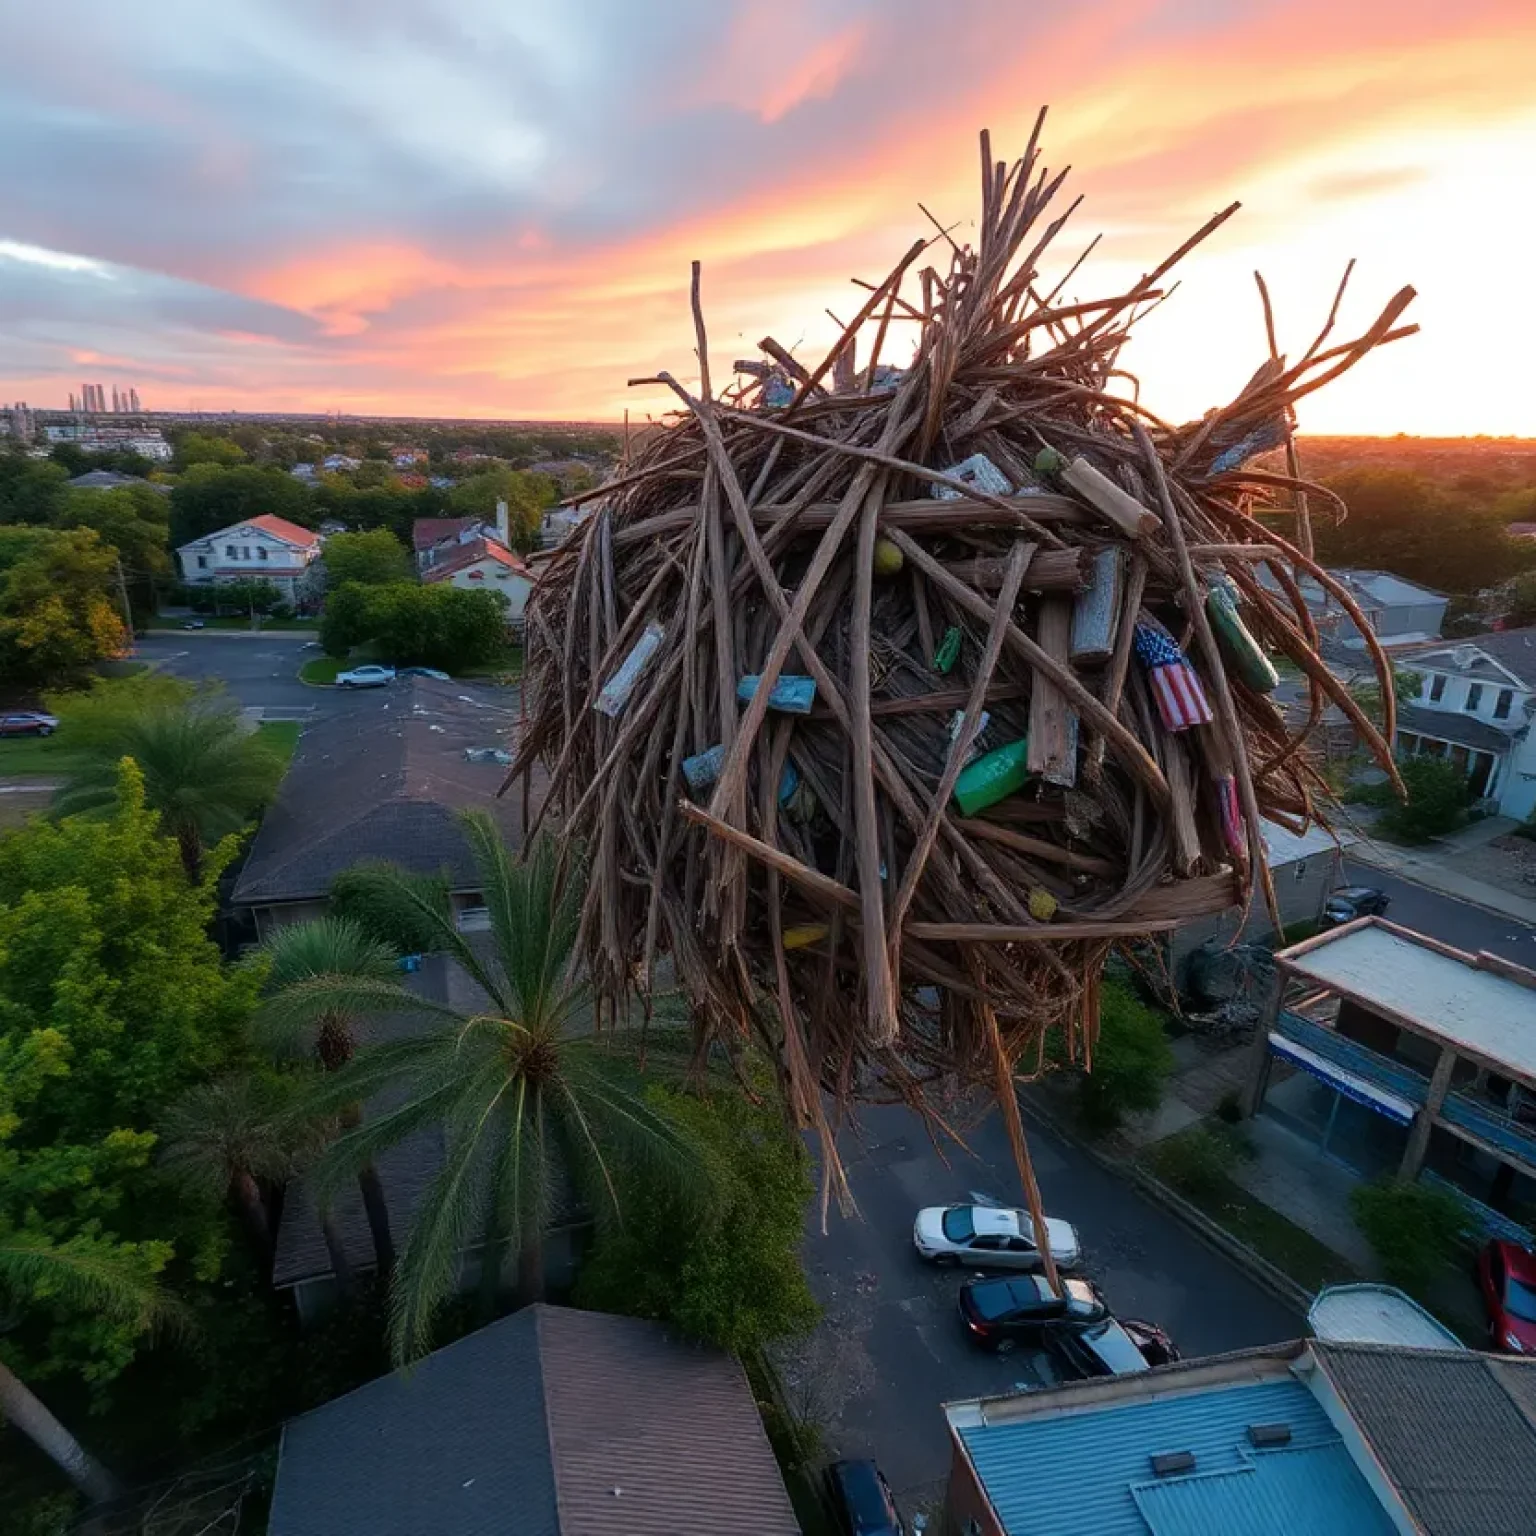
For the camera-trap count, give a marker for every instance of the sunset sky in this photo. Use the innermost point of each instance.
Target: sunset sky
(488, 207)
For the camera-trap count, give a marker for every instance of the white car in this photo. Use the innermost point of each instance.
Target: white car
(365, 677)
(990, 1237)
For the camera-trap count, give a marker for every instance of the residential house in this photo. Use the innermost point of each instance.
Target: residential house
(407, 458)
(474, 555)
(305, 472)
(339, 463)
(1521, 530)
(1398, 1054)
(411, 480)
(264, 547)
(1474, 707)
(550, 1422)
(384, 780)
(1399, 612)
(429, 535)
(1307, 1438)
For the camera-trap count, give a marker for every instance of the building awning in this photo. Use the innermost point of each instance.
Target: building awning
(1399, 1110)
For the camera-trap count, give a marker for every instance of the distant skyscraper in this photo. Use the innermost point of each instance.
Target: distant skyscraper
(133, 402)
(73, 403)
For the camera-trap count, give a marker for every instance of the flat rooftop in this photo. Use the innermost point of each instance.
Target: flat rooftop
(1483, 1006)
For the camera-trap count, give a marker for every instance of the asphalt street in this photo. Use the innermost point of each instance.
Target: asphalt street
(261, 671)
(892, 1348)
(1443, 917)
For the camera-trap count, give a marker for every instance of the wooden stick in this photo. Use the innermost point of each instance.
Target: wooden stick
(1052, 726)
(1044, 933)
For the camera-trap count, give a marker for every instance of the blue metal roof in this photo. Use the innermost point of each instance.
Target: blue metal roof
(1089, 1473)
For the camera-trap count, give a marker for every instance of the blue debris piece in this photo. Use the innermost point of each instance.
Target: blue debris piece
(792, 694)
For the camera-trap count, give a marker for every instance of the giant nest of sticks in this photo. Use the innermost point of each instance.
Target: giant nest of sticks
(887, 697)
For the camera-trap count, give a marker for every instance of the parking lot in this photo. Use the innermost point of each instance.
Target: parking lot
(891, 1347)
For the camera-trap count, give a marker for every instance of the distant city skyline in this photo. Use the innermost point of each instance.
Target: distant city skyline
(488, 210)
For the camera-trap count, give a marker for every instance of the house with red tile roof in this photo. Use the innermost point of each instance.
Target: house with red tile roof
(261, 548)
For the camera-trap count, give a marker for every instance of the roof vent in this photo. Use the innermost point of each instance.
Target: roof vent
(1264, 1435)
(1464, 656)
(1170, 1463)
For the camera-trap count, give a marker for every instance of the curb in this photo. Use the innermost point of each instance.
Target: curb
(1254, 1264)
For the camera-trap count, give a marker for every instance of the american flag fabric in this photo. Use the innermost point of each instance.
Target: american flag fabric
(1175, 685)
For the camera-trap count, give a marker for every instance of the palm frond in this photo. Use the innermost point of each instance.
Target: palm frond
(340, 1162)
(283, 1019)
(235, 1124)
(119, 1280)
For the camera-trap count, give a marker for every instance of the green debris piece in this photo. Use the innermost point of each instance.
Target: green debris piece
(948, 653)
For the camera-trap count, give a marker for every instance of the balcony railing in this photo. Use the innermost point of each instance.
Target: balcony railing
(1490, 1125)
(1343, 1052)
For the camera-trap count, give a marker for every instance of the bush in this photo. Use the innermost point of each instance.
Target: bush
(1414, 1230)
(1198, 1163)
(1131, 1061)
(409, 625)
(1438, 798)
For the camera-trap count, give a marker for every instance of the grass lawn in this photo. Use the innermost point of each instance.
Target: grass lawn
(321, 669)
(43, 756)
(1289, 1248)
(281, 735)
(507, 667)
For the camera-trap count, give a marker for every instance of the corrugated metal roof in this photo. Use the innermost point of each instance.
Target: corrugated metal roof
(1075, 1473)
(1449, 1431)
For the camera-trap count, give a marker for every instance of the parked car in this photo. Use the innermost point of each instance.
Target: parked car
(861, 1500)
(991, 1237)
(365, 677)
(194, 624)
(432, 672)
(1003, 1314)
(1352, 901)
(28, 723)
(1506, 1272)
(1111, 1348)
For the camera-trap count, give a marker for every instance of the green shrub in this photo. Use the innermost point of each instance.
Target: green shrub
(1438, 798)
(1131, 1061)
(1229, 1108)
(1414, 1230)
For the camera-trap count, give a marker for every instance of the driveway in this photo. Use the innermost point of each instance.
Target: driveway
(891, 1349)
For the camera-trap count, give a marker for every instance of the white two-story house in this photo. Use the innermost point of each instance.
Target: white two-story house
(1474, 706)
(266, 547)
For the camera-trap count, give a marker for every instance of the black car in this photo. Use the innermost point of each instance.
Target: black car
(1110, 1348)
(1352, 901)
(1004, 1313)
(861, 1500)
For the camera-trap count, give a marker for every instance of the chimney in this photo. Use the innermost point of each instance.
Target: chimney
(503, 529)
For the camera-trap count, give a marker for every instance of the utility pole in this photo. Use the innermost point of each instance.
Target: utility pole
(122, 592)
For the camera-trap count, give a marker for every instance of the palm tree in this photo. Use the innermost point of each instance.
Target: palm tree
(519, 1093)
(224, 1138)
(116, 1283)
(333, 946)
(203, 773)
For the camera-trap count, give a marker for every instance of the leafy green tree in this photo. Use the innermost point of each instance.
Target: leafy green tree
(732, 1274)
(332, 946)
(135, 521)
(526, 495)
(116, 1282)
(435, 626)
(1438, 800)
(373, 559)
(58, 617)
(204, 775)
(96, 716)
(31, 490)
(205, 448)
(1522, 601)
(113, 1001)
(252, 594)
(1131, 1061)
(1406, 686)
(520, 1094)
(209, 497)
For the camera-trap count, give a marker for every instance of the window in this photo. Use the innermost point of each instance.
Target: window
(245, 551)
(989, 1242)
(1502, 704)
(1474, 698)
(261, 552)
(202, 562)
(958, 1225)
(231, 551)
(1300, 867)
(1436, 689)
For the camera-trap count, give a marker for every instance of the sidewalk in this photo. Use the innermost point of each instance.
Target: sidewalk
(1429, 867)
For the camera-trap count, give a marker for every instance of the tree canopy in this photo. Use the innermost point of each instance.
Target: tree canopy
(206, 448)
(58, 616)
(210, 496)
(31, 490)
(372, 559)
(526, 495)
(112, 1001)
(434, 626)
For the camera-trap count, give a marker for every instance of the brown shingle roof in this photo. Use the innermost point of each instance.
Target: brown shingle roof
(551, 1422)
(427, 531)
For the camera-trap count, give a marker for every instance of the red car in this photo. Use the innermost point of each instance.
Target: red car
(1507, 1274)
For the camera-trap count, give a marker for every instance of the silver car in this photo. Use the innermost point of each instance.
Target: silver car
(991, 1237)
(366, 677)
